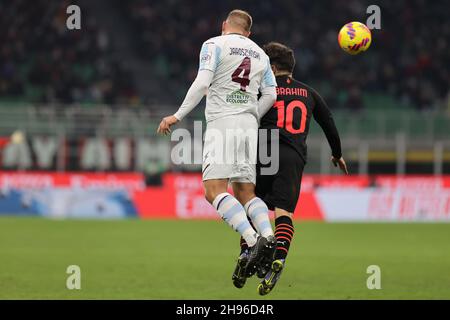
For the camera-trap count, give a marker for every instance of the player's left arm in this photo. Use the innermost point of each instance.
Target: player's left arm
(324, 118)
(267, 90)
(209, 57)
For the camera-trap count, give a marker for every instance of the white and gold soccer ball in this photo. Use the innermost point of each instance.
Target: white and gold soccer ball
(355, 38)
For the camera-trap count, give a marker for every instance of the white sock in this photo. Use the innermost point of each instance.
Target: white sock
(233, 213)
(259, 214)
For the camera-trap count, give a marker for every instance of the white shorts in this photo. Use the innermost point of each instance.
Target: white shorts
(230, 149)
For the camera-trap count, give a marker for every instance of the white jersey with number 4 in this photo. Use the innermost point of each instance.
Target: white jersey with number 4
(240, 69)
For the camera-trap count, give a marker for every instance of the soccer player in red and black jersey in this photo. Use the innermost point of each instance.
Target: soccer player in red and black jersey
(290, 115)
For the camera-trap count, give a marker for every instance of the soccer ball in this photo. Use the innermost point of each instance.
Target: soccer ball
(355, 38)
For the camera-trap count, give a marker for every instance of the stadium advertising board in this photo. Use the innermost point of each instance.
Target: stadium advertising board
(180, 196)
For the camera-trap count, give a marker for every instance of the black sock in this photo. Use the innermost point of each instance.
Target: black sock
(284, 231)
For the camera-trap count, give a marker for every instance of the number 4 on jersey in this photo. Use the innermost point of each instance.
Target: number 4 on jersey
(244, 81)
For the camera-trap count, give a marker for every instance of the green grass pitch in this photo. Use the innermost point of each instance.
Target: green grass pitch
(137, 259)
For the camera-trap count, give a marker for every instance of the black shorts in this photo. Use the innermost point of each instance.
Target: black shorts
(282, 189)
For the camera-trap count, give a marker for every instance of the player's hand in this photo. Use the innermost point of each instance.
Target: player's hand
(164, 126)
(341, 163)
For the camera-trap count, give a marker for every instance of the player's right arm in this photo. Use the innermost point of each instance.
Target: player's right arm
(324, 118)
(209, 58)
(267, 90)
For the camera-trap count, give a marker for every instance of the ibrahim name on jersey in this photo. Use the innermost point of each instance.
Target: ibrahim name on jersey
(241, 68)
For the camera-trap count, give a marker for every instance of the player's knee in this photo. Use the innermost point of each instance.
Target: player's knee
(214, 188)
(244, 192)
(212, 193)
(244, 196)
(210, 196)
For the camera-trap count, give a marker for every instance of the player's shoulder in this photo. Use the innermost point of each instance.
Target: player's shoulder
(253, 43)
(303, 85)
(262, 56)
(313, 92)
(233, 39)
(218, 40)
(257, 46)
(266, 57)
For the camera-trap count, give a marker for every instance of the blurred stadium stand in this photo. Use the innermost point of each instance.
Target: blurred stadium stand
(43, 62)
(133, 61)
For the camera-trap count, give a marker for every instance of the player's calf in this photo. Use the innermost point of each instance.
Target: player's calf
(233, 213)
(259, 215)
(284, 232)
(256, 209)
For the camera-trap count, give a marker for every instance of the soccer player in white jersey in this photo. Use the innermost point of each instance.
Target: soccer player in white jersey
(233, 71)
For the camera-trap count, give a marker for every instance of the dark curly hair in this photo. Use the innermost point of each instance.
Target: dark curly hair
(281, 56)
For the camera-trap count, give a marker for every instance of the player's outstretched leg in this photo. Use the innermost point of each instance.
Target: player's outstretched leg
(233, 213)
(258, 213)
(284, 232)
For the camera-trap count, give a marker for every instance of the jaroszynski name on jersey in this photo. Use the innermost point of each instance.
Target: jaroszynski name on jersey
(245, 52)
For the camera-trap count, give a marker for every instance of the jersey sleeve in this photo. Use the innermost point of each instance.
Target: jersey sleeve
(209, 56)
(268, 79)
(324, 118)
(195, 93)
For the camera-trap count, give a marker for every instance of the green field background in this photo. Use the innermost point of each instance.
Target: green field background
(152, 259)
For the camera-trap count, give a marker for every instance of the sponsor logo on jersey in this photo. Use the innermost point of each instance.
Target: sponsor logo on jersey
(205, 58)
(238, 97)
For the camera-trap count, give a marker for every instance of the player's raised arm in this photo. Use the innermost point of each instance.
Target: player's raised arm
(209, 58)
(324, 118)
(267, 90)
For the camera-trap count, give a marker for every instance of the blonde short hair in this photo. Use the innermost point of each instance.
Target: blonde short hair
(241, 19)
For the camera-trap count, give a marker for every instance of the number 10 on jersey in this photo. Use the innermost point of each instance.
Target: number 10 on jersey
(286, 115)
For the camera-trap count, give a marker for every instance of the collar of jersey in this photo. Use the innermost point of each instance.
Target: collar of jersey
(238, 34)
